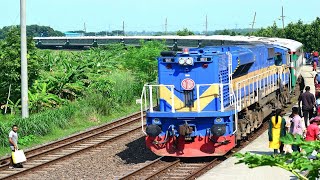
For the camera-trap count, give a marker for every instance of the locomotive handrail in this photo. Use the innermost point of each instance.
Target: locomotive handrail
(269, 83)
(143, 94)
(220, 94)
(150, 101)
(150, 86)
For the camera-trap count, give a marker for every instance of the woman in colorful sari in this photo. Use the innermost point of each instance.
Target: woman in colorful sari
(277, 129)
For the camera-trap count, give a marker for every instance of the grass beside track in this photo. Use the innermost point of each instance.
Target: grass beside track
(80, 121)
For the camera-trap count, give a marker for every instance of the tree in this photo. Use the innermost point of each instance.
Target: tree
(295, 162)
(307, 34)
(32, 31)
(10, 64)
(42, 31)
(225, 32)
(184, 32)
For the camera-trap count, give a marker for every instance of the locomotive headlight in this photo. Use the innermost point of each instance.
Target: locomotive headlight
(167, 60)
(189, 61)
(181, 61)
(156, 121)
(204, 59)
(153, 130)
(218, 129)
(218, 120)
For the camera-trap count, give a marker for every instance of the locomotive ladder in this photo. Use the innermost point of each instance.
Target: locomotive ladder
(231, 92)
(233, 99)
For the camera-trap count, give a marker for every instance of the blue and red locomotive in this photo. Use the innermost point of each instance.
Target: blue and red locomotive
(209, 98)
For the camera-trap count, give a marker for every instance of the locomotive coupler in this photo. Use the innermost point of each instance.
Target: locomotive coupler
(186, 130)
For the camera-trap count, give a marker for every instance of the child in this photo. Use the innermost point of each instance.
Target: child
(314, 66)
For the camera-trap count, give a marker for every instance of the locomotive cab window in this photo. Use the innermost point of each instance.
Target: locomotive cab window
(278, 59)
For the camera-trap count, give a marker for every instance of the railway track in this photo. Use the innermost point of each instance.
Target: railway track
(67, 147)
(172, 168)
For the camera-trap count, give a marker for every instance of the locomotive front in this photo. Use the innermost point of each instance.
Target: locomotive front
(190, 111)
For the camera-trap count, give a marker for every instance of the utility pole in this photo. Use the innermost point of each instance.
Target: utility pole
(123, 28)
(253, 22)
(282, 16)
(24, 62)
(206, 25)
(84, 27)
(166, 27)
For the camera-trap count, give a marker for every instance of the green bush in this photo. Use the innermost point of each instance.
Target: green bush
(39, 124)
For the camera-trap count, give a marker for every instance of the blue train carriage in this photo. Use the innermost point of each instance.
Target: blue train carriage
(209, 98)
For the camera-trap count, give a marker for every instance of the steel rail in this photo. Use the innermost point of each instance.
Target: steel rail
(5, 161)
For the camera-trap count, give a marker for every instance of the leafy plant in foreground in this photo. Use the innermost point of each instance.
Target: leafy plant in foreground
(295, 162)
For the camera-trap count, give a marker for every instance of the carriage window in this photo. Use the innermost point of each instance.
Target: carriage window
(278, 59)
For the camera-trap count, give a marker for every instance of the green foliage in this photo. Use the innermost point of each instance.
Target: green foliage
(307, 34)
(227, 32)
(115, 72)
(40, 99)
(25, 140)
(46, 31)
(63, 84)
(10, 65)
(100, 81)
(142, 61)
(185, 32)
(32, 31)
(38, 124)
(14, 106)
(295, 162)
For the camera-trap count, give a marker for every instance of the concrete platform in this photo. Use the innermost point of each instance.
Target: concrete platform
(228, 170)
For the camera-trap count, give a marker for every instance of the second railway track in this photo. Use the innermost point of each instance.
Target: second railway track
(62, 149)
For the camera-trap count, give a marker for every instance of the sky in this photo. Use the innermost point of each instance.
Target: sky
(150, 15)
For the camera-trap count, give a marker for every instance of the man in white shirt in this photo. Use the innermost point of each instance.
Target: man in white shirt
(13, 141)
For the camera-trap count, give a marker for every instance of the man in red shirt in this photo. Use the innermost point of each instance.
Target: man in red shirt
(313, 129)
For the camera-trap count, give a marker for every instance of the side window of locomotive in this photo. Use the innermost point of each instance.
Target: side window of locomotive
(278, 59)
(271, 53)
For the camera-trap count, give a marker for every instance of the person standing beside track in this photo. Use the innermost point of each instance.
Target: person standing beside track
(296, 127)
(313, 129)
(277, 129)
(13, 141)
(308, 103)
